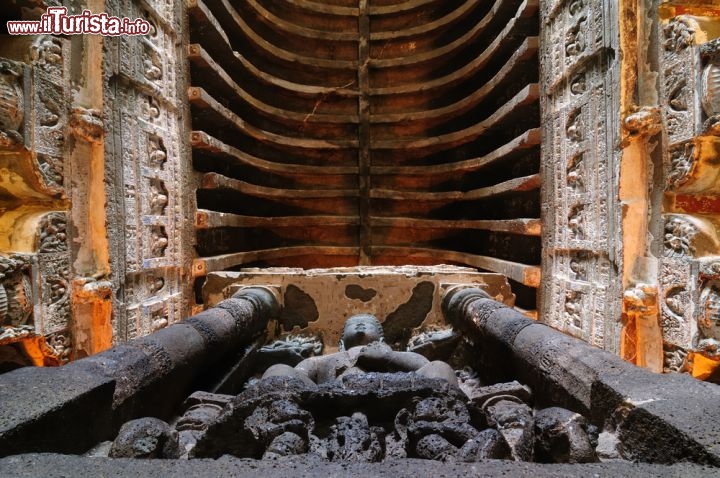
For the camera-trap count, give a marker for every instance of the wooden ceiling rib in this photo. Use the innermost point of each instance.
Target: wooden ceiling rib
(366, 131)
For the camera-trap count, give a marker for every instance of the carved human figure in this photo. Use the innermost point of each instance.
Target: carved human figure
(362, 350)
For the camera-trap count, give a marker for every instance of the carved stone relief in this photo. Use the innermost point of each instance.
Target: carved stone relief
(577, 170)
(682, 162)
(16, 295)
(151, 187)
(11, 102)
(34, 109)
(679, 235)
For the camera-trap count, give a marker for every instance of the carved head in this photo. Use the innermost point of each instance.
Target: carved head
(361, 329)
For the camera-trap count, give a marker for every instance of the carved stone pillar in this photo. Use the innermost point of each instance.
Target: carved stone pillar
(148, 168)
(34, 253)
(690, 99)
(580, 105)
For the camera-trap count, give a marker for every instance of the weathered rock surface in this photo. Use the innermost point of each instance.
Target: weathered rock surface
(146, 438)
(561, 436)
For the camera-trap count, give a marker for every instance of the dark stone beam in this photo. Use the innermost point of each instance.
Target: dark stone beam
(658, 418)
(69, 409)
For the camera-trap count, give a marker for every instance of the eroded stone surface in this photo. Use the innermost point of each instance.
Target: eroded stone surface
(146, 438)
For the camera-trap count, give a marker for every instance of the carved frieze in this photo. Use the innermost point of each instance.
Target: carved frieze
(679, 73)
(152, 188)
(577, 168)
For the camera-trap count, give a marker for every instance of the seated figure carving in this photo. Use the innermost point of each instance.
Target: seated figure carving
(362, 350)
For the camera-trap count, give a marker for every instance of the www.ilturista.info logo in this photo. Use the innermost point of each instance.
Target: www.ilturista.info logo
(57, 22)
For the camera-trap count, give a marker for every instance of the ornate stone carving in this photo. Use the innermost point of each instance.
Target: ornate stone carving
(158, 197)
(679, 33)
(61, 346)
(709, 320)
(16, 303)
(576, 222)
(679, 234)
(157, 151)
(675, 359)
(575, 127)
(47, 52)
(573, 308)
(674, 300)
(152, 65)
(578, 266)
(50, 117)
(159, 241)
(51, 170)
(575, 173)
(710, 80)
(150, 109)
(576, 6)
(53, 235)
(643, 122)
(575, 38)
(578, 84)
(155, 284)
(87, 124)
(11, 101)
(682, 161)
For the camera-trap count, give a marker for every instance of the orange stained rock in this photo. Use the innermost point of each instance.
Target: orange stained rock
(703, 367)
(92, 317)
(41, 354)
(698, 8)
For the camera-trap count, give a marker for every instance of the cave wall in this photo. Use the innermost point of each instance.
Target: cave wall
(93, 244)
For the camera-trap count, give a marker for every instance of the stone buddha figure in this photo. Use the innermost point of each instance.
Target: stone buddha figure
(362, 350)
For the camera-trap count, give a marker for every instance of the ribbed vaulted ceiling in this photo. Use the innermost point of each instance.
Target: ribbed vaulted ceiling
(350, 132)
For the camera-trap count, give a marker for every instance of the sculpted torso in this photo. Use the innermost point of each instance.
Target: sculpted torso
(362, 350)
